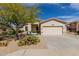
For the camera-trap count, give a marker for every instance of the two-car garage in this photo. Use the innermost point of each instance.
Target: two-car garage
(53, 27)
(52, 30)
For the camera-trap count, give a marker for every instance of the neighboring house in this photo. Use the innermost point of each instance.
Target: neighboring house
(73, 26)
(48, 27)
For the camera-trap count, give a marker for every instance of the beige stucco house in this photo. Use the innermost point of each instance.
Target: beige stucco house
(47, 27)
(53, 27)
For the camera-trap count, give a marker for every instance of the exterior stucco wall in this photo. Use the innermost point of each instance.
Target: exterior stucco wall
(29, 26)
(53, 23)
(50, 23)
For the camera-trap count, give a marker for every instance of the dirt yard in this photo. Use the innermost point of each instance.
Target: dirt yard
(12, 47)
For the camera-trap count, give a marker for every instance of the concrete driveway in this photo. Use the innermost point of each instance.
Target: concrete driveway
(57, 46)
(64, 42)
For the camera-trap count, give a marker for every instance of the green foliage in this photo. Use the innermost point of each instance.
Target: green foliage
(9, 32)
(32, 14)
(12, 32)
(4, 33)
(21, 43)
(29, 40)
(33, 39)
(18, 14)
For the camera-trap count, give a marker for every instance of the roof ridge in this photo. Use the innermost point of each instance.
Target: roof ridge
(54, 19)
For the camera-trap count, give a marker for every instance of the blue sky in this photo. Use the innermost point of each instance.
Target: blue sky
(63, 11)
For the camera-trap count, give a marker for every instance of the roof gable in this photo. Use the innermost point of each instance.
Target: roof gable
(53, 20)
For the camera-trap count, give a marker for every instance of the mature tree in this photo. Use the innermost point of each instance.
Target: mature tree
(32, 14)
(16, 14)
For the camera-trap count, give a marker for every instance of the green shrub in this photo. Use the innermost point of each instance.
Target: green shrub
(3, 43)
(29, 40)
(12, 32)
(4, 33)
(21, 42)
(32, 39)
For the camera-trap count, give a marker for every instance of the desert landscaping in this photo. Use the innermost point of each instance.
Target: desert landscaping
(23, 33)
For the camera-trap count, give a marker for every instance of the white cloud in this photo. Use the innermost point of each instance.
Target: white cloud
(74, 6)
(73, 19)
(65, 16)
(59, 4)
(69, 18)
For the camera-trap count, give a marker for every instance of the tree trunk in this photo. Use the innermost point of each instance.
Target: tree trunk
(17, 36)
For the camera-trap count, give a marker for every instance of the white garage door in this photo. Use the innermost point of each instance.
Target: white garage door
(51, 31)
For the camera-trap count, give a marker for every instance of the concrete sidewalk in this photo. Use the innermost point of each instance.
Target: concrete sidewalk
(30, 52)
(44, 52)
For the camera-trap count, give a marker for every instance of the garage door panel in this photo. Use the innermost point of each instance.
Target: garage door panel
(51, 31)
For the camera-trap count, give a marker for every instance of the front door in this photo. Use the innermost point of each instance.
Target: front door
(35, 28)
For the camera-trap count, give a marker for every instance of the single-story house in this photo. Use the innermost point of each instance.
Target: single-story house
(73, 26)
(52, 27)
(47, 27)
